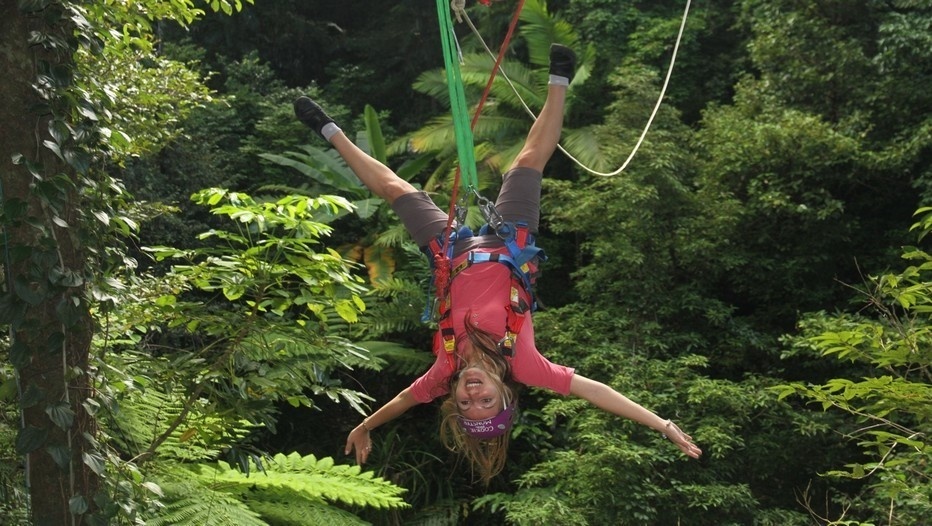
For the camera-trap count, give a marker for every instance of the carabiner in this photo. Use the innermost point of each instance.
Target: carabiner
(490, 214)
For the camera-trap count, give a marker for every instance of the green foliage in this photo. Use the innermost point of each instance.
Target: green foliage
(714, 239)
(273, 250)
(384, 245)
(588, 451)
(278, 287)
(14, 508)
(889, 404)
(207, 351)
(144, 414)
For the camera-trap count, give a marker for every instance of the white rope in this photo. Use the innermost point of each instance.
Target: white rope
(663, 91)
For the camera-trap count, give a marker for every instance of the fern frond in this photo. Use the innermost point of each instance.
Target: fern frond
(447, 512)
(303, 513)
(296, 477)
(193, 504)
(394, 236)
(146, 414)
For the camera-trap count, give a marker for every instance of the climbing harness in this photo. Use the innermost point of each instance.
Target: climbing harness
(521, 258)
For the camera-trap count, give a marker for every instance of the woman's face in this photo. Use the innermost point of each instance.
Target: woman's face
(478, 396)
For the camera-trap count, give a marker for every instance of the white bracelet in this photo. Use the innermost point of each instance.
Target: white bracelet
(365, 424)
(664, 434)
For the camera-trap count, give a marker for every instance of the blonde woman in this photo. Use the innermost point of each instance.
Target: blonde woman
(485, 348)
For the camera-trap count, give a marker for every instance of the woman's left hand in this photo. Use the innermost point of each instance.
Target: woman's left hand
(681, 439)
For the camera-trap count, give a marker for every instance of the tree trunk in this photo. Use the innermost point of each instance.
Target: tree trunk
(49, 318)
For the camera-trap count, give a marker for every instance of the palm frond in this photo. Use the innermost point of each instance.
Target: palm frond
(584, 145)
(434, 84)
(540, 29)
(402, 360)
(437, 134)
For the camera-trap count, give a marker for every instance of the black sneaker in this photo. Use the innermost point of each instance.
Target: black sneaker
(562, 61)
(311, 114)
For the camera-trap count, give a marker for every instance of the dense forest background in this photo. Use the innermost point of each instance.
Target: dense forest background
(756, 272)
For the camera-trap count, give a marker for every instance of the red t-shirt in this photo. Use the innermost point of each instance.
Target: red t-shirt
(482, 292)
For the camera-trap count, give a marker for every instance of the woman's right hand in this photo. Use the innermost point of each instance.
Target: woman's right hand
(360, 441)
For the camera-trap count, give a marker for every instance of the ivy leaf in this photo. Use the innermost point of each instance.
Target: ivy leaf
(31, 396)
(31, 294)
(95, 462)
(51, 145)
(59, 131)
(77, 505)
(80, 160)
(61, 414)
(65, 277)
(68, 312)
(60, 454)
(30, 439)
(19, 354)
(62, 74)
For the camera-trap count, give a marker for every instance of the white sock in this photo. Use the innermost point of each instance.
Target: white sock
(557, 80)
(329, 130)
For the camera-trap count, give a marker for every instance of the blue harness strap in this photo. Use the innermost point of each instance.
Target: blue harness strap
(522, 259)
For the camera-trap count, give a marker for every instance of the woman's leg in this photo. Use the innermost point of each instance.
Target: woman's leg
(421, 217)
(377, 177)
(519, 198)
(544, 136)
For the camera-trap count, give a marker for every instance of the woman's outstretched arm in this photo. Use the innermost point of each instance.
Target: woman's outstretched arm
(359, 438)
(608, 399)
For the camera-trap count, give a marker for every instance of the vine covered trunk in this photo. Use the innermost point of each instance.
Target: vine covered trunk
(43, 295)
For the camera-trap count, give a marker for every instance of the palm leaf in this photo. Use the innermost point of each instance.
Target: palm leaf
(540, 29)
(402, 360)
(374, 135)
(584, 145)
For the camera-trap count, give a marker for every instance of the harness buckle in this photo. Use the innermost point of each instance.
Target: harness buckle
(507, 344)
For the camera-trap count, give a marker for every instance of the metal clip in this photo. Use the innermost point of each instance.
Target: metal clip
(507, 344)
(461, 209)
(490, 214)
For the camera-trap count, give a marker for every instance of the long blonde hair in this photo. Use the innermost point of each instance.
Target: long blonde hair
(487, 457)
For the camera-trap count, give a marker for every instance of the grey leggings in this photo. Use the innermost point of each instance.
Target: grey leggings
(518, 200)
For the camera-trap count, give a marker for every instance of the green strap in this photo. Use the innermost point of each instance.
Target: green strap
(461, 126)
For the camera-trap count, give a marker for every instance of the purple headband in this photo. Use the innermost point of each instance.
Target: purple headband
(490, 427)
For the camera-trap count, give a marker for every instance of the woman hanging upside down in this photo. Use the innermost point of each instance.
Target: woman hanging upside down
(489, 334)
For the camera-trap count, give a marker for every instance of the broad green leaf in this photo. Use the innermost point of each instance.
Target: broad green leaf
(30, 439)
(61, 414)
